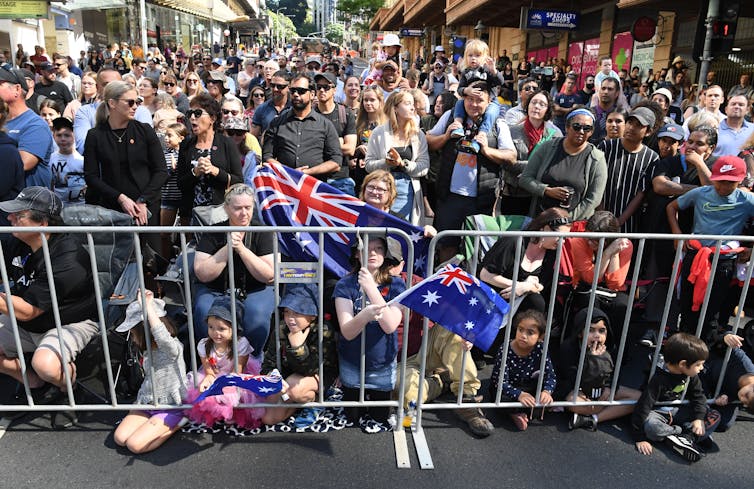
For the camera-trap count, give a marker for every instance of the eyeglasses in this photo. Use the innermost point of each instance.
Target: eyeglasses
(300, 90)
(529, 89)
(235, 132)
(324, 87)
(192, 80)
(229, 111)
(581, 127)
(375, 189)
(130, 101)
(168, 84)
(539, 103)
(258, 95)
(279, 86)
(195, 113)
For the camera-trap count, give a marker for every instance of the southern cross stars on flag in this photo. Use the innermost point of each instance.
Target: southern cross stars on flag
(287, 197)
(262, 385)
(460, 303)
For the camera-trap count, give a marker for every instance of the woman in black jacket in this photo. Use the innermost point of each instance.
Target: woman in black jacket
(208, 162)
(123, 161)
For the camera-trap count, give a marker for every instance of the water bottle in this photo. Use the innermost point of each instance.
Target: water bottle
(409, 415)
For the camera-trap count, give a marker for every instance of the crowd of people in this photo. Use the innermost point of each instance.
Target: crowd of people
(155, 135)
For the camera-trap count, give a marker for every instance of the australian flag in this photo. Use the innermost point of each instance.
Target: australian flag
(460, 303)
(287, 197)
(261, 385)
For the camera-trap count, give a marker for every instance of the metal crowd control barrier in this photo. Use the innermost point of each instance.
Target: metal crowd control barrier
(317, 274)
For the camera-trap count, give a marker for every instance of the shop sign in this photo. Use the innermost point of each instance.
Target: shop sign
(623, 44)
(549, 19)
(591, 57)
(405, 32)
(23, 9)
(644, 58)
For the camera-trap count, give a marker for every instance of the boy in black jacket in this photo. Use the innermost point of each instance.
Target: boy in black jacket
(684, 358)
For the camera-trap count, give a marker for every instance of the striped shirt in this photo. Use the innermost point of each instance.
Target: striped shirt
(625, 178)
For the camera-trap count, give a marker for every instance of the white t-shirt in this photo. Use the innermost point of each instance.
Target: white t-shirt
(68, 176)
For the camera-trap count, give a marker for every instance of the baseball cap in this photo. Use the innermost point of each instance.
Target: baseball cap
(236, 123)
(34, 199)
(644, 115)
(390, 40)
(327, 76)
(672, 131)
(730, 168)
(46, 66)
(572, 75)
(393, 253)
(217, 61)
(13, 76)
(665, 92)
(217, 76)
(134, 315)
(62, 123)
(221, 310)
(389, 63)
(313, 59)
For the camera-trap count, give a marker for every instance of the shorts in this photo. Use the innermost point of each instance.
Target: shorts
(75, 337)
(169, 417)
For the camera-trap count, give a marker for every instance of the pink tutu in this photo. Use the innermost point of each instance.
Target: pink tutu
(223, 408)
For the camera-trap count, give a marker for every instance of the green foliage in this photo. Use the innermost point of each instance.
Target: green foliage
(334, 33)
(359, 12)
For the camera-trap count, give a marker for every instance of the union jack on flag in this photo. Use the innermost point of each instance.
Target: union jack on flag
(460, 303)
(262, 385)
(287, 197)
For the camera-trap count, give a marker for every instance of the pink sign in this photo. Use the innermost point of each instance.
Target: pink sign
(623, 44)
(575, 58)
(552, 52)
(591, 57)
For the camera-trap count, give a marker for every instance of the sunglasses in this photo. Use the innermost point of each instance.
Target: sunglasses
(131, 102)
(299, 90)
(324, 87)
(195, 113)
(235, 132)
(279, 86)
(192, 80)
(258, 94)
(529, 89)
(229, 111)
(169, 84)
(581, 127)
(61, 64)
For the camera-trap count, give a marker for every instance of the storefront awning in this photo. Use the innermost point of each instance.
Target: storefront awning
(393, 18)
(203, 8)
(420, 13)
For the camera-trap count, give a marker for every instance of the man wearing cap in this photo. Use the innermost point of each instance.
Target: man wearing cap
(33, 99)
(32, 296)
(344, 123)
(437, 82)
(669, 137)
(28, 129)
(663, 98)
(565, 101)
(627, 161)
(313, 65)
(719, 209)
(85, 116)
(391, 80)
(439, 55)
(279, 101)
(301, 137)
(734, 130)
(50, 87)
(230, 84)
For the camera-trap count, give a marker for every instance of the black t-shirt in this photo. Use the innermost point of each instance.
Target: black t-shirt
(501, 259)
(259, 243)
(55, 91)
(344, 126)
(72, 278)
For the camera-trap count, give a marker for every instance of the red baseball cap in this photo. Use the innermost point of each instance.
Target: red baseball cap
(730, 168)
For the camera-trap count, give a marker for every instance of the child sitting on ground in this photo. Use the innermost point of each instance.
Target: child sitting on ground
(596, 377)
(479, 66)
(522, 367)
(679, 427)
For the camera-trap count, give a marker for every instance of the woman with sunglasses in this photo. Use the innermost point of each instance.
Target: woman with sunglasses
(123, 161)
(256, 98)
(567, 172)
(208, 161)
(192, 85)
(170, 85)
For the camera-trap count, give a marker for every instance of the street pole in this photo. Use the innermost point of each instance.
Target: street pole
(712, 12)
(143, 26)
(211, 26)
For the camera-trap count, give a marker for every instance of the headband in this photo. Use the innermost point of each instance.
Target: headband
(576, 112)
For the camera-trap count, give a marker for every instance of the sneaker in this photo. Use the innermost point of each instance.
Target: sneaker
(61, 420)
(579, 421)
(649, 339)
(475, 146)
(307, 417)
(683, 445)
(521, 420)
(457, 133)
(478, 423)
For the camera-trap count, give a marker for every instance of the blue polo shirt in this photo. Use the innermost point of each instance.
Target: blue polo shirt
(33, 135)
(265, 114)
(729, 140)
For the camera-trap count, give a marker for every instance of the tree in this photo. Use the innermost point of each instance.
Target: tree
(361, 12)
(334, 33)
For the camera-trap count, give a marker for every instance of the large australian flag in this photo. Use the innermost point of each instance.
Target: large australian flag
(287, 197)
(460, 303)
(261, 385)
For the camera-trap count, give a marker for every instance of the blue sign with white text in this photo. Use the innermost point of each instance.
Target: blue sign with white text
(551, 19)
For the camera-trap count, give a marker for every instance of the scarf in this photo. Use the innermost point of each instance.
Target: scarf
(532, 133)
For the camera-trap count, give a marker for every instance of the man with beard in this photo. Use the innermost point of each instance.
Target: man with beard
(734, 130)
(280, 100)
(391, 80)
(302, 138)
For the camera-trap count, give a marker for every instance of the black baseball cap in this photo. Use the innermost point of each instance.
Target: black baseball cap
(62, 123)
(13, 76)
(34, 199)
(327, 76)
